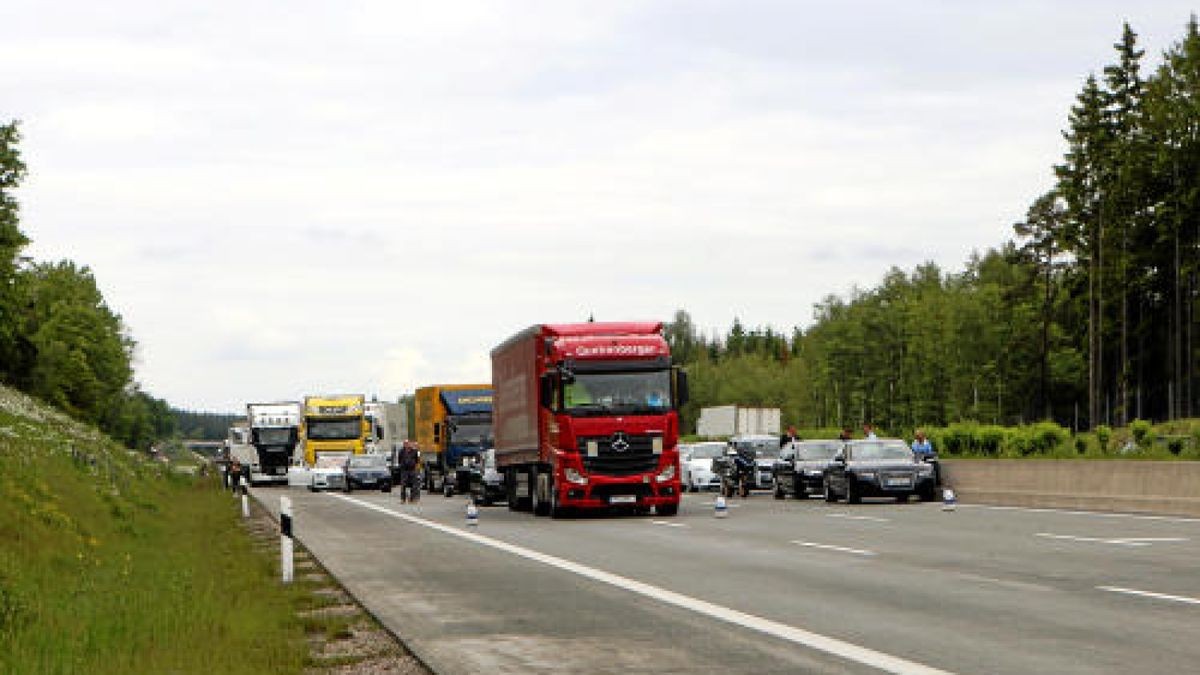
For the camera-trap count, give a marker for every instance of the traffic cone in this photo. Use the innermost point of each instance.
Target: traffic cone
(720, 508)
(472, 514)
(949, 501)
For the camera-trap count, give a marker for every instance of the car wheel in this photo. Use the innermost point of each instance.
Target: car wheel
(799, 489)
(385, 487)
(779, 493)
(557, 510)
(830, 496)
(852, 496)
(347, 489)
(447, 489)
(312, 488)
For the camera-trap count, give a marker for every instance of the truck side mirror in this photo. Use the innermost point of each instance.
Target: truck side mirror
(546, 391)
(681, 388)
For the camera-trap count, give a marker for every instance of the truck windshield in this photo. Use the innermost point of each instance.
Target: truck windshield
(334, 430)
(604, 393)
(472, 435)
(278, 436)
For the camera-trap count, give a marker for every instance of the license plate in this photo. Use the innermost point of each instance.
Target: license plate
(622, 499)
(368, 481)
(899, 482)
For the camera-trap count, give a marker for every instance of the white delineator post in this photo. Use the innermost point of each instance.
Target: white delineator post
(245, 501)
(285, 538)
(720, 508)
(949, 500)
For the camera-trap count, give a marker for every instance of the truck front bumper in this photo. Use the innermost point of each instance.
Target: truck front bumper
(635, 491)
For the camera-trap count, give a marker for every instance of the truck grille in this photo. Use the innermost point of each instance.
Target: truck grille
(631, 455)
(608, 490)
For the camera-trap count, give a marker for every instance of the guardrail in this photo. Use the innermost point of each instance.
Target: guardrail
(1095, 485)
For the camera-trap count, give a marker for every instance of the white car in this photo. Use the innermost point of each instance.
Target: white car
(695, 462)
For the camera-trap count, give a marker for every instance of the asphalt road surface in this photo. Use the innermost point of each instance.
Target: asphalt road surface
(777, 586)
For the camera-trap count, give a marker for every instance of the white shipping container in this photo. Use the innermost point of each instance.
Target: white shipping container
(732, 420)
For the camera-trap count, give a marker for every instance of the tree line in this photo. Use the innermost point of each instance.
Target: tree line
(1086, 317)
(59, 339)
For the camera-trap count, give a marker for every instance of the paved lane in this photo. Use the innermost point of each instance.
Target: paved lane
(977, 590)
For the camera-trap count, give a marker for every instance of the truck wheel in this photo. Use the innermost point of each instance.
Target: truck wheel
(510, 488)
(557, 510)
(447, 489)
(779, 493)
(666, 509)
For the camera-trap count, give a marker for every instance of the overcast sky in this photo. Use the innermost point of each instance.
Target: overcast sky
(284, 198)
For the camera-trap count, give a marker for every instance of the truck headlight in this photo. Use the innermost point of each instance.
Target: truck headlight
(573, 476)
(666, 474)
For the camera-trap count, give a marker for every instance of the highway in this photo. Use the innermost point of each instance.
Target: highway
(777, 586)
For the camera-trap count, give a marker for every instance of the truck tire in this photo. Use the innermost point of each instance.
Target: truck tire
(557, 510)
(510, 488)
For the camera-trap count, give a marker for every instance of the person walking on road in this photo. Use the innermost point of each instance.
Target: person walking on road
(408, 461)
(235, 475)
(923, 450)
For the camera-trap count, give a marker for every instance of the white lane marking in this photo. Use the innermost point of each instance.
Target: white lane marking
(840, 648)
(848, 516)
(1148, 594)
(1097, 540)
(829, 547)
(1153, 539)
(1094, 514)
(667, 524)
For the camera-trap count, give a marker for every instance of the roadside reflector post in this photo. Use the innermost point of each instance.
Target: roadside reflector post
(472, 514)
(949, 501)
(285, 539)
(720, 508)
(245, 501)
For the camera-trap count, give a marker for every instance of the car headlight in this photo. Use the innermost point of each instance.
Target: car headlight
(924, 469)
(813, 472)
(573, 476)
(666, 474)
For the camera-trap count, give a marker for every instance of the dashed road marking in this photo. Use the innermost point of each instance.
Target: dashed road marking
(830, 547)
(1094, 514)
(848, 516)
(823, 643)
(1149, 594)
(1116, 541)
(667, 523)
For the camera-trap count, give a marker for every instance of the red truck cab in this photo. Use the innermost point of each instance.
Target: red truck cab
(586, 416)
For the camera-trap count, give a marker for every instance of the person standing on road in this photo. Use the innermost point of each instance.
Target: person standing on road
(235, 474)
(407, 461)
(923, 450)
(790, 437)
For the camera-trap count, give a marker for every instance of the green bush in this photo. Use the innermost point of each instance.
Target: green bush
(1103, 435)
(1141, 431)
(1080, 445)
(1175, 445)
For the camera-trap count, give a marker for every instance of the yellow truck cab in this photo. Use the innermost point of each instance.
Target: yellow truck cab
(333, 426)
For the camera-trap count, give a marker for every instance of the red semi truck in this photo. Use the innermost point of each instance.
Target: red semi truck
(585, 416)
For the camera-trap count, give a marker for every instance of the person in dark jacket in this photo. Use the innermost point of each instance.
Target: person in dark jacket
(790, 437)
(408, 461)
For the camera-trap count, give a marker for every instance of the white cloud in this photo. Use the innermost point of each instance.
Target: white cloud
(319, 197)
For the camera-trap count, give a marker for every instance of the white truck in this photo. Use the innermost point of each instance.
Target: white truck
(274, 437)
(725, 421)
(388, 426)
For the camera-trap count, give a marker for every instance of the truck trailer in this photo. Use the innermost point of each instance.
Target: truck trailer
(587, 417)
(454, 422)
(275, 435)
(724, 421)
(387, 425)
(333, 427)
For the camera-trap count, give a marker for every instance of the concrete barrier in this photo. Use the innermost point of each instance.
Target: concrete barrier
(1170, 488)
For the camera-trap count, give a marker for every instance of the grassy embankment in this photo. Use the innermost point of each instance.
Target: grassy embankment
(112, 564)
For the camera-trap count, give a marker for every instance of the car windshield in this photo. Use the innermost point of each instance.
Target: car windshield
(646, 391)
(367, 462)
(707, 451)
(893, 450)
(333, 430)
(763, 448)
(817, 450)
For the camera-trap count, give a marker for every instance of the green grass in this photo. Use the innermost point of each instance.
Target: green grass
(112, 565)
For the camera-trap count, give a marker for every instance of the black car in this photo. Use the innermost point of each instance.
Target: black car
(368, 472)
(878, 468)
(800, 470)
